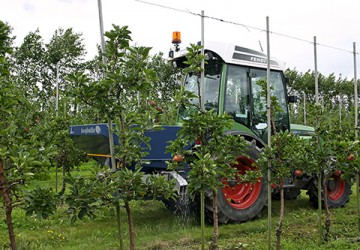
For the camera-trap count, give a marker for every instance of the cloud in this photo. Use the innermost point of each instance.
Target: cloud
(334, 23)
(27, 6)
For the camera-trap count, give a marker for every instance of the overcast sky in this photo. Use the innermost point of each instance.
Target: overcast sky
(335, 23)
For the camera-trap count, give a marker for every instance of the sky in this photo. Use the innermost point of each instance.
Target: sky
(293, 24)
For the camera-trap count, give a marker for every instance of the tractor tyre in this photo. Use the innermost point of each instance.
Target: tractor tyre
(338, 190)
(240, 202)
(289, 194)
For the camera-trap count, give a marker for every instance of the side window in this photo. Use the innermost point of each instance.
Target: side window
(237, 94)
(211, 94)
(258, 99)
(212, 87)
(191, 84)
(277, 90)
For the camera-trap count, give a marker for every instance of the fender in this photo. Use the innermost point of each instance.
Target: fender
(249, 137)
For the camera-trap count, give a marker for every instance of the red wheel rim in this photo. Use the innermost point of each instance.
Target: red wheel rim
(242, 195)
(336, 188)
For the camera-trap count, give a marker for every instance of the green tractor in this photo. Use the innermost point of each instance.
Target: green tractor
(231, 78)
(232, 74)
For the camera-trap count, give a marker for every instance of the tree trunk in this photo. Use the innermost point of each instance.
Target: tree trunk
(118, 216)
(327, 211)
(358, 199)
(281, 217)
(8, 206)
(75, 106)
(56, 176)
(131, 226)
(319, 184)
(62, 191)
(214, 245)
(123, 139)
(202, 218)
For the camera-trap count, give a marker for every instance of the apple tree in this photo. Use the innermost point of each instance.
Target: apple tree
(20, 151)
(123, 95)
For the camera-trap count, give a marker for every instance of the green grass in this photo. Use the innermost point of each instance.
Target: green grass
(157, 228)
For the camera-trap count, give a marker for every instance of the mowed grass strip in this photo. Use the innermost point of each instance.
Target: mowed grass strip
(158, 229)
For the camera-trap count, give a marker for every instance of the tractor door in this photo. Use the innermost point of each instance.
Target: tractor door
(258, 100)
(245, 101)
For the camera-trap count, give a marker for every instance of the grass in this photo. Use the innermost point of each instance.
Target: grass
(158, 229)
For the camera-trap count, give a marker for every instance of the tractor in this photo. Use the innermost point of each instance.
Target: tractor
(231, 77)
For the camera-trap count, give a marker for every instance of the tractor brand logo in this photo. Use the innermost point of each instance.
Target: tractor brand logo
(249, 58)
(91, 130)
(253, 58)
(258, 59)
(97, 129)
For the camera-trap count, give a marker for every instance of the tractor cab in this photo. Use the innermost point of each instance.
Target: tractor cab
(232, 84)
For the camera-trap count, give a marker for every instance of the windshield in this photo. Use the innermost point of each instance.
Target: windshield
(245, 100)
(242, 95)
(259, 100)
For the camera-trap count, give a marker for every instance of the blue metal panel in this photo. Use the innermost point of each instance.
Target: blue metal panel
(159, 140)
(93, 139)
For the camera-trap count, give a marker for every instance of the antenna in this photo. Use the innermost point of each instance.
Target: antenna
(261, 46)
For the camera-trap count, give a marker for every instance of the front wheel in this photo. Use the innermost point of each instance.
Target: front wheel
(239, 201)
(338, 191)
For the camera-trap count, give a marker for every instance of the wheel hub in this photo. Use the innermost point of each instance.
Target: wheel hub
(241, 195)
(232, 183)
(336, 188)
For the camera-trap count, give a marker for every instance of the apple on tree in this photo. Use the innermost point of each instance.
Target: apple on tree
(351, 157)
(178, 158)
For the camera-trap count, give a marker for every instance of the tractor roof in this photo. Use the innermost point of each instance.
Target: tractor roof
(239, 55)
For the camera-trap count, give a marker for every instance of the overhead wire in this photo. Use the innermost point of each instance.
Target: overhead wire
(248, 27)
(163, 6)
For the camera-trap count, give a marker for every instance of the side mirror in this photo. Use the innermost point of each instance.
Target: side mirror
(292, 99)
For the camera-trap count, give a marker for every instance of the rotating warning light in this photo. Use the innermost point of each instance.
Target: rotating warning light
(176, 37)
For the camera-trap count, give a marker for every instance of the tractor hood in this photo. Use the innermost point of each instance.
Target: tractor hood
(302, 130)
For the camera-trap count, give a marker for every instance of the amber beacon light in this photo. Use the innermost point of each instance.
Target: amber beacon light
(176, 39)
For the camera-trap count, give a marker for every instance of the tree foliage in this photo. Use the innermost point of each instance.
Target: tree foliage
(19, 150)
(133, 88)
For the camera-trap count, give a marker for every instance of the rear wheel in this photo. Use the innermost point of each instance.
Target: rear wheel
(289, 194)
(239, 202)
(338, 190)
